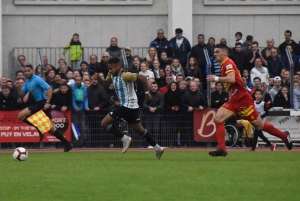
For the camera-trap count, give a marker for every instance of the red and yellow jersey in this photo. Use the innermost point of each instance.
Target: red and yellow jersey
(236, 90)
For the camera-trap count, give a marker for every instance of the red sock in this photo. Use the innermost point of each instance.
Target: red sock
(274, 131)
(220, 134)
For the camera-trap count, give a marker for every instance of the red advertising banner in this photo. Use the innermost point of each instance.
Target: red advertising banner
(204, 126)
(14, 130)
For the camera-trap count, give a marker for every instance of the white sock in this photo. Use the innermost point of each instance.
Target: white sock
(156, 147)
(124, 138)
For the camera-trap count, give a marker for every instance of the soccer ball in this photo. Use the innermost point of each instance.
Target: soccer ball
(20, 154)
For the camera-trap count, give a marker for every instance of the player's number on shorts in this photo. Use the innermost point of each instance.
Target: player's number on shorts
(207, 120)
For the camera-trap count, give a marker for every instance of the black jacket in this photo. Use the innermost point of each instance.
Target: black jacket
(193, 99)
(181, 52)
(218, 98)
(173, 98)
(60, 99)
(9, 102)
(198, 52)
(280, 101)
(163, 64)
(161, 82)
(196, 73)
(103, 68)
(239, 59)
(162, 45)
(93, 68)
(97, 96)
(157, 101)
(283, 45)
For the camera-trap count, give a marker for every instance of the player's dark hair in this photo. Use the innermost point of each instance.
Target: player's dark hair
(238, 44)
(28, 66)
(19, 71)
(114, 60)
(257, 78)
(222, 47)
(5, 87)
(288, 31)
(238, 33)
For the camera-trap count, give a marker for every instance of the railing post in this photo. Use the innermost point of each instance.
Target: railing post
(208, 73)
(291, 62)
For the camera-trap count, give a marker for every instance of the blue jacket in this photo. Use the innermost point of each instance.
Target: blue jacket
(181, 52)
(162, 45)
(79, 105)
(275, 67)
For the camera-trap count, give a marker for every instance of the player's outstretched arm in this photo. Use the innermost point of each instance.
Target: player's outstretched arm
(144, 82)
(229, 78)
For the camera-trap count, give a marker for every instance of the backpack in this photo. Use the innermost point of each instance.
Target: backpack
(79, 94)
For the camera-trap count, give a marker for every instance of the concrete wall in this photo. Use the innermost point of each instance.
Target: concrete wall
(136, 26)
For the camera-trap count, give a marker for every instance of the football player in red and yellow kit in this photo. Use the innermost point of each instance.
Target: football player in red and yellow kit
(239, 102)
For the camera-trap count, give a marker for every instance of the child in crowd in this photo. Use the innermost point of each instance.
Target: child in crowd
(75, 51)
(262, 109)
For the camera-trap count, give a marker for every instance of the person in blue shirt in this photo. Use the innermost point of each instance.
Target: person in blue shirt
(42, 94)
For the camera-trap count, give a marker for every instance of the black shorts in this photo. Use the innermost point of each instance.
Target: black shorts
(130, 115)
(39, 105)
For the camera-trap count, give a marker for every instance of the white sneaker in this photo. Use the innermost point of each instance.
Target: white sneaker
(159, 153)
(126, 144)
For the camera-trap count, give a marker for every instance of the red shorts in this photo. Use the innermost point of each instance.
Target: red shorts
(244, 107)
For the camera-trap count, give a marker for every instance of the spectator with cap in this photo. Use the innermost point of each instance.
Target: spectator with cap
(129, 57)
(162, 44)
(188, 80)
(276, 87)
(181, 46)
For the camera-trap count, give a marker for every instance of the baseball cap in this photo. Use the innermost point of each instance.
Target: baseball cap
(178, 30)
(277, 78)
(127, 48)
(189, 77)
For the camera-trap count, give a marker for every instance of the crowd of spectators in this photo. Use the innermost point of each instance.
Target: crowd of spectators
(175, 71)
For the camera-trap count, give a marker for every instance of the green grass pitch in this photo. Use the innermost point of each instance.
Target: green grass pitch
(186, 176)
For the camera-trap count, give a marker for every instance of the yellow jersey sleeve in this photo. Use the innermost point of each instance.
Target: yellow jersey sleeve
(129, 77)
(108, 77)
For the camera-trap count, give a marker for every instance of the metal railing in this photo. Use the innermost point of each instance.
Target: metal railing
(55, 53)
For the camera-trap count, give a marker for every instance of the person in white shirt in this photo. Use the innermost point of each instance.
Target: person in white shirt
(145, 70)
(259, 71)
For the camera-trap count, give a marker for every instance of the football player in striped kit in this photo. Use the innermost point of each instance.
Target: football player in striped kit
(128, 110)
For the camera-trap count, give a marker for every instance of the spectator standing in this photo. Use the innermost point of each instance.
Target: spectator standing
(7, 100)
(296, 98)
(266, 52)
(218, 97)
(161, 81)
(94, 65)
(113, 50)
(294, 57)
(75, 51)
(103, 67)
(251, 56)
(276, 88)
(260, 71)
(238, 37)
(169, 80)
(192, 69)
(62, 99)
(145, 70)
(21, 60)
(288, 41)
(181, 47)
(164, 60)
(211, 45)
(129, 57)
(152, 109)
(162, 44)
(198, 53)
(238, 56)
(177, 68)
(282, 98)
(151, 57)
(79, 105)
(275, 63)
